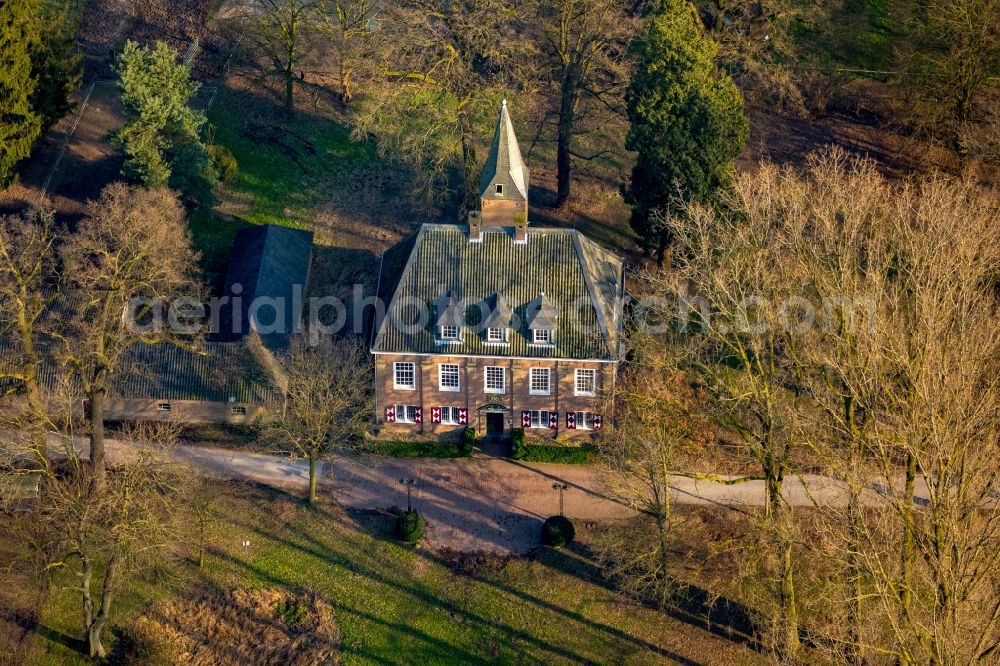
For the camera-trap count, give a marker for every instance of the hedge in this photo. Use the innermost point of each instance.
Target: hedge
(420, 449)
(565, 455)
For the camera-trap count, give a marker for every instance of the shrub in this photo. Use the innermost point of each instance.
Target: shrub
(557, 531)
(417, 449)
(410, 526)
(563, 455)
(468, 442)
(223, 163)
(291, 612)
(518, 450)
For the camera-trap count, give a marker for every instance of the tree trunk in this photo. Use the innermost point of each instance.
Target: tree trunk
(94, 645)
(96, 415)
(789, 608)
(569, 94)
(313, 464)
(909, 536)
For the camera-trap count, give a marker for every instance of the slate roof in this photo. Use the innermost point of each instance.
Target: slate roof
(268, 261)
(166, 372)
(504, 164)
(581, 281)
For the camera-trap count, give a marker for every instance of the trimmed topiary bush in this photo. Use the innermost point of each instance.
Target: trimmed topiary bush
(468, 442)
(410, 526)
(518, 450)
(557, 531)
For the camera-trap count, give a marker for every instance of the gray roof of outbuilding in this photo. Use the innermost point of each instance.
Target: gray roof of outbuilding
(504, 164)
(217, 372)
(581, 280)
(268, 261)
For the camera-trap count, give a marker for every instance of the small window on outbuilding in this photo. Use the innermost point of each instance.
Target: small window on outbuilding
(499, 188)
(163, 406)
(238, 410)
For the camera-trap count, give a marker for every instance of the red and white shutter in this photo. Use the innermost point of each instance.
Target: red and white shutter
(598, 421)
(553, 420)
(525, 419)
(571, 420)
(390, 413)
(435, 415)
(463, 417)
(418, 415)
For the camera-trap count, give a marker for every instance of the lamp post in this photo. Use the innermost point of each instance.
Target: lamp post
(409, 483)
(561, 487)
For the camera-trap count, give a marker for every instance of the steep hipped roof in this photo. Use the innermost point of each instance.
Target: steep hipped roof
(504, 165)
(581, 282)
(268, 261)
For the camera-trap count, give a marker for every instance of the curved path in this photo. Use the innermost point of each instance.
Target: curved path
(484, 503)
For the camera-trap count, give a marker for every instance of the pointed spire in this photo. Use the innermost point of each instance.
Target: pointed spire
(504, 175)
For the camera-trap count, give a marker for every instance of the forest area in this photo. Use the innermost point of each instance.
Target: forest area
(806, 195)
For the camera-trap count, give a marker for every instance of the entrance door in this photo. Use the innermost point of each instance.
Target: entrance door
(494, 424)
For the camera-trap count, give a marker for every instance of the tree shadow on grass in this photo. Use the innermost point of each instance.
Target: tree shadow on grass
(690, 603)
(380, 528)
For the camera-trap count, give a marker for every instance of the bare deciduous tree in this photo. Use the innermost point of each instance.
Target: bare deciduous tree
(130, 255)
(442, 68)
(586, 42)
(103, 535)
(29, 284)
(350, 26)
(328, 401)
(657, 421)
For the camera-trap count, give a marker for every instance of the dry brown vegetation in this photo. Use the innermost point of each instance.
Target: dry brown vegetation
(233, 627)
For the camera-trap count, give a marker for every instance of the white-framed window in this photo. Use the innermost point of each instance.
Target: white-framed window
(449, 415)
(404, 375)
(586, 382)
(448, 332)
(539, 418)
(584, 421)
(406, 413)
(448, 377)
(542, 336)
(496, 334)
(494, 380)
(163, 406)
(238, 410)
(499, 188)
(538, 381)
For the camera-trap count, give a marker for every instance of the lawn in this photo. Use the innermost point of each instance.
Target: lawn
(288, 166)
(396, 604)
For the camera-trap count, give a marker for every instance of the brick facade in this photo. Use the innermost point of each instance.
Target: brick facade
(473, 398)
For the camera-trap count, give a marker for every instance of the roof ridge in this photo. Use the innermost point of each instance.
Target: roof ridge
(588, 280)
(404, 274)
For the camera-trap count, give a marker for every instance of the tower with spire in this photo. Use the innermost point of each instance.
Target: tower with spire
(503, 186)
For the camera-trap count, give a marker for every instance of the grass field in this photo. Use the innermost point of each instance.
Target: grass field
(400, 605)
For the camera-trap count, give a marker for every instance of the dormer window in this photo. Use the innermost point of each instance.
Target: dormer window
(542, 336)
(496, 334)
(450, 318)
(500, 189)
